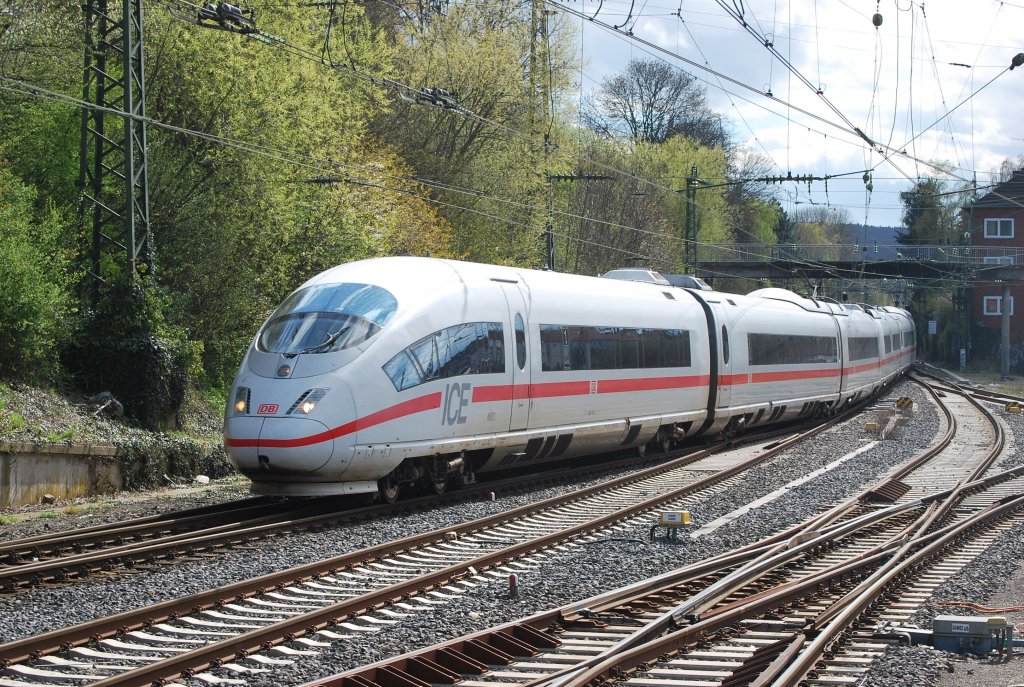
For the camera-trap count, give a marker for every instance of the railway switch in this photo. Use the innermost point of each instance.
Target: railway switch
(672, 520)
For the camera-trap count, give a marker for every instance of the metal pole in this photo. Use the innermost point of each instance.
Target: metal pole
(690, 240)
(1004, 344)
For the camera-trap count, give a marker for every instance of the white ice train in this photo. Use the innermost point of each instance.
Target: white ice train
(397, 371)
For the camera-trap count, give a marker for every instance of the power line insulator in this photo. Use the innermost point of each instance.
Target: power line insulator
(877, 19)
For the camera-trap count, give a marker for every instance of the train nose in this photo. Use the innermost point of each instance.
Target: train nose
(265, 447)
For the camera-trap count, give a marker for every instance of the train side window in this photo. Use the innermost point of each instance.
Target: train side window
(403, 371)
(863, 347)
(466, 349)
(520, 342)
(725, 345)
(790, 349)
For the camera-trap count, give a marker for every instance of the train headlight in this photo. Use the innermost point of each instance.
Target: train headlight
(306, 402)
(241, 406)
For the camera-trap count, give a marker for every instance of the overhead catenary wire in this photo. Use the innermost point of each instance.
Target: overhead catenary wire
(609, 170)
(882, 148)
(284, 156)
(305, 161)
(320, 165)
(426, 95)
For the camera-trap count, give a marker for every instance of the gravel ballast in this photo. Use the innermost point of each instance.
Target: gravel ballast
(572, 573)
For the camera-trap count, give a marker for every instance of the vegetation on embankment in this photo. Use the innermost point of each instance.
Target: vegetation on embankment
(33, 416)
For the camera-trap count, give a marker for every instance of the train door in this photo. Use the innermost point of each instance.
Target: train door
(725, 377)
(516, 297)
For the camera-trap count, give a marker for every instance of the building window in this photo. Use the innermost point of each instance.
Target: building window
(999, 228)
(998, 260)
(992, 305)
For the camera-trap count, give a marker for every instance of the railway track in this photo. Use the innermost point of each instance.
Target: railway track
(142, 543)
(807, 612)
(300, 609)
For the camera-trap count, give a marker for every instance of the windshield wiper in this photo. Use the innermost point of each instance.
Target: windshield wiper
(326, 343)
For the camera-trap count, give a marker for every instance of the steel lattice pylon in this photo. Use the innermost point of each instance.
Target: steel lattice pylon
(113, 179)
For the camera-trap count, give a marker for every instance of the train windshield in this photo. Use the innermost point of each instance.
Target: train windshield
(327, 317)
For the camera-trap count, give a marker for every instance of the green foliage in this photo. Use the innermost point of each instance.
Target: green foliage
(237, 230)
(8, 519)
(145, 462)
(127, 348)
(302, 166)
(56, 437)
(931, 213)
(11, 423)
(495, 192)
(34, 299)
(43, 45)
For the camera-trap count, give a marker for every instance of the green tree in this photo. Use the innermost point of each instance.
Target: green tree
(301, 186)
(930, 213)
(35, 305)
(485, 160)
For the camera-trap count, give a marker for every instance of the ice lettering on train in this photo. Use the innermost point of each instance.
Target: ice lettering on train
(456, 397)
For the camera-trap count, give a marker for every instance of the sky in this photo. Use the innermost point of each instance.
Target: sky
(928, 86)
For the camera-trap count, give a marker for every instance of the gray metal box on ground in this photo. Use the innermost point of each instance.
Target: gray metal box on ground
(961, 633)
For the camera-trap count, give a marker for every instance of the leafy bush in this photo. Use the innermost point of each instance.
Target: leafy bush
(146, 462)
(125, 347)
(34, 283)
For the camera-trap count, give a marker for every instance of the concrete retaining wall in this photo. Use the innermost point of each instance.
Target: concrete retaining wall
(28, 471)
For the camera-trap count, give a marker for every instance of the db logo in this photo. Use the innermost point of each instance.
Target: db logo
(266, 409)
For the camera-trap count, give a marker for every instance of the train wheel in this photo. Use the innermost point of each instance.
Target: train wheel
(664, 440)
(388, 489)
(439, 485)
(641, 450)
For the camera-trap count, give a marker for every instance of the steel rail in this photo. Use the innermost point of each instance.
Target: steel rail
(998, 444)
(31, 647)
(567, 614)
(942, 504)
(714, 621)
(214, 654)
(420, 663)
(830, 627)
(155, 550)
(168, 546)
(808, 539)
(596, 609)
(148, 551)
(131, 526)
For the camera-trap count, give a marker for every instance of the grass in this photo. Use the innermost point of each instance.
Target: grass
(993, 381)
(54, 437)
(8, 520)
(50, 515)
(11, 423)
(88, 507)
